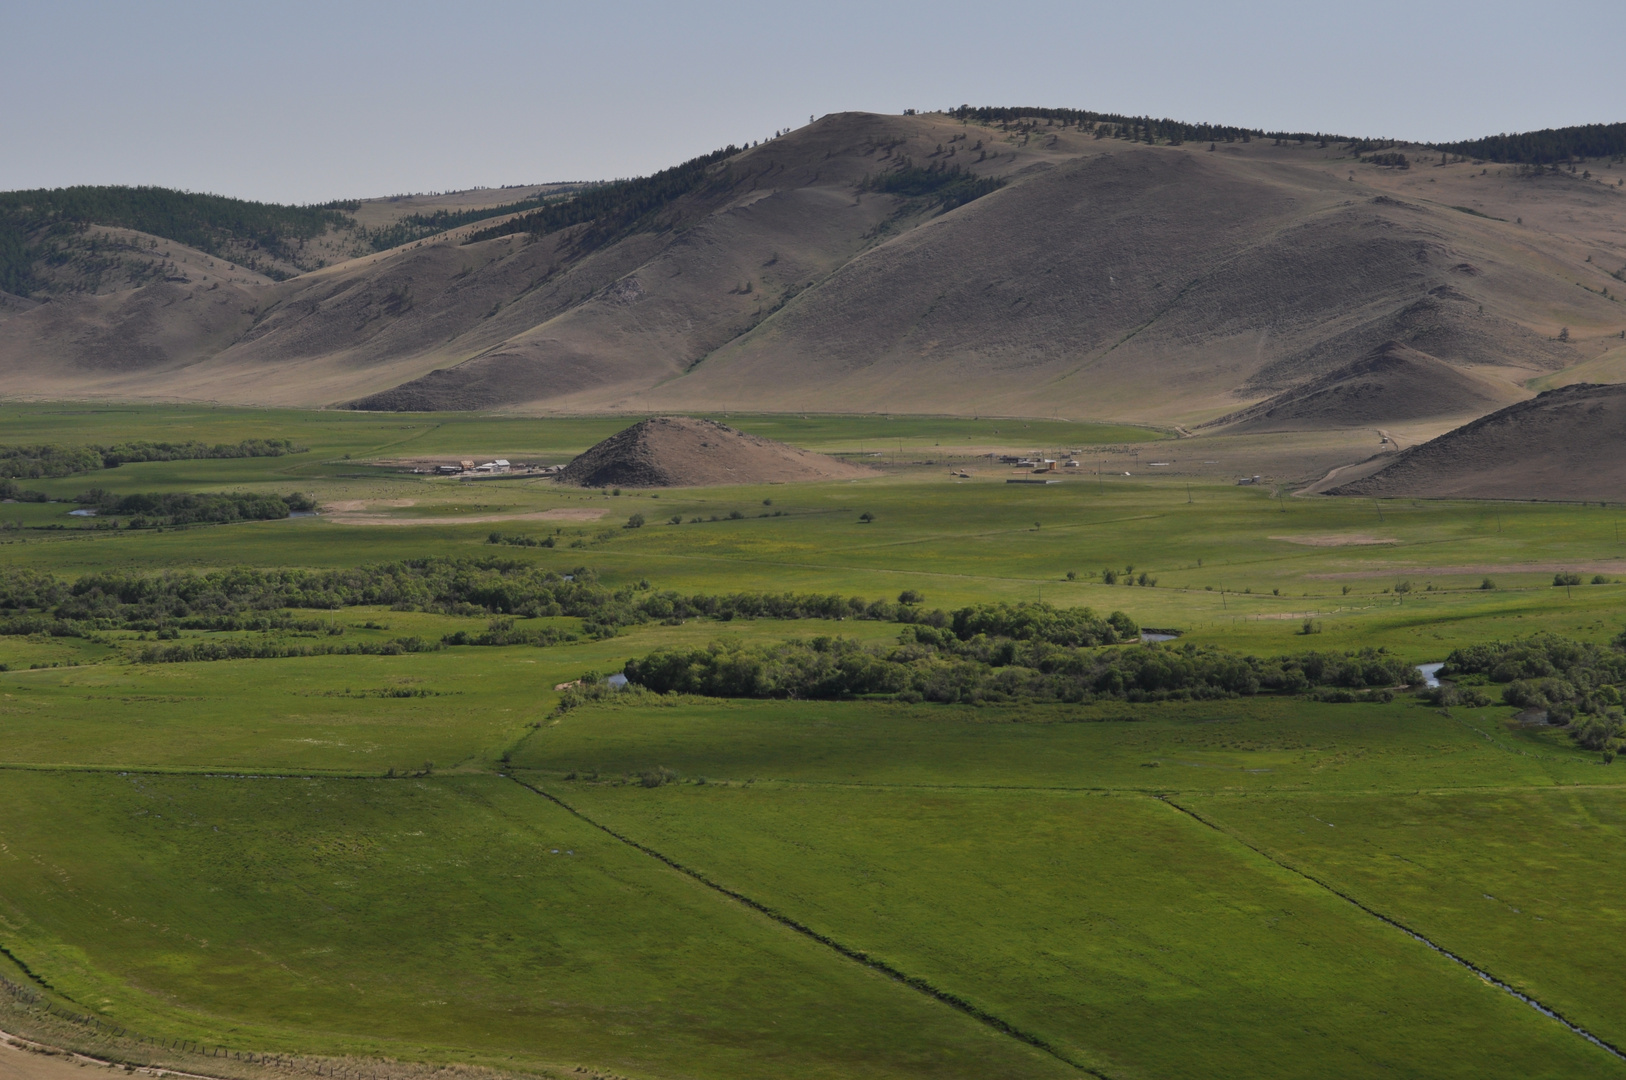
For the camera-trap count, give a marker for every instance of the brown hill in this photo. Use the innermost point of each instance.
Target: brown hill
(1105, 279)
(1393, 383)
(1566, 444)
(678, 451)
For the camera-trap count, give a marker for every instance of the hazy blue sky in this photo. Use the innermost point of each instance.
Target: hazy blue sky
(298, 101)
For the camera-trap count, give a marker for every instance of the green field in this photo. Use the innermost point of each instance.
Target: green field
(387, 863)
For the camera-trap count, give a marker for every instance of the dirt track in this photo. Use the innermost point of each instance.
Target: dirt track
(1608, 567)
(568, 513)
(24, 1059)
(1338, 540)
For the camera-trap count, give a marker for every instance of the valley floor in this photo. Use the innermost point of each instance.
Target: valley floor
(371, 864)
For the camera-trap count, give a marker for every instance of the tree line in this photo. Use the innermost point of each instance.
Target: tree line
(1147, 128)
(615, 209)
(947, 186)
(143, 511)
(928, 664)
(46, 460)
(1547, 146)
(29, 219)
(417, 226)
(495, 587)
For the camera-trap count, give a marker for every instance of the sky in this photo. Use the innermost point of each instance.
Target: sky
(306, 102)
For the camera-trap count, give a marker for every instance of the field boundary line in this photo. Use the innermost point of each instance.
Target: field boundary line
(222, 772)
(976, 1012)
(1483, 975)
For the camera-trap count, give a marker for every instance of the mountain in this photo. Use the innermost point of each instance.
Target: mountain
(1565, 444)
(1037, 262)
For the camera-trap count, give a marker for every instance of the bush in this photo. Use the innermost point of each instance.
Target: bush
(636, 521)
(1566, 578)
(1466, 696)
(654, 778)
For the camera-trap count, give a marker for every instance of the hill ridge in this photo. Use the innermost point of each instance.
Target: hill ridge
(837, 268)
(1567, 444)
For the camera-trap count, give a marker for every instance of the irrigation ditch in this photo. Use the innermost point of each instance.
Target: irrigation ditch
(915, 982)
(1483, 975)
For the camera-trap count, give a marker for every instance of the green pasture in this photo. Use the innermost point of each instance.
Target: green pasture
(1255, 745)
(336, 437)
(461, 919)
(1231, 564)
(460, 708)
(334, 855)
(1512, 877)
(1116, 927)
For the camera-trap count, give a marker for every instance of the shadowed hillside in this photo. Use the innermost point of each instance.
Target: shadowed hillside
(1564, 444)
(1392, 383)
(996, 262)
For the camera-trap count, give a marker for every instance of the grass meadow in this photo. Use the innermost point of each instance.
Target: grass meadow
(394, 860)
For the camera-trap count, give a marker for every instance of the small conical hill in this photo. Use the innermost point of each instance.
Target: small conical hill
(680, 451)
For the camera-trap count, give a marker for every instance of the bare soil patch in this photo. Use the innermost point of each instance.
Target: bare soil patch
(349, 506)
(1616, 566)
(564, 513)
(1338, 540)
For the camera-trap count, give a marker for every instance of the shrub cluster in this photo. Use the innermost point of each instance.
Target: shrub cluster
(50, 459)
(1566, 678)
(932, 665)
(520, 540)
(251, 599)
(180, 508)
(249, 649)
